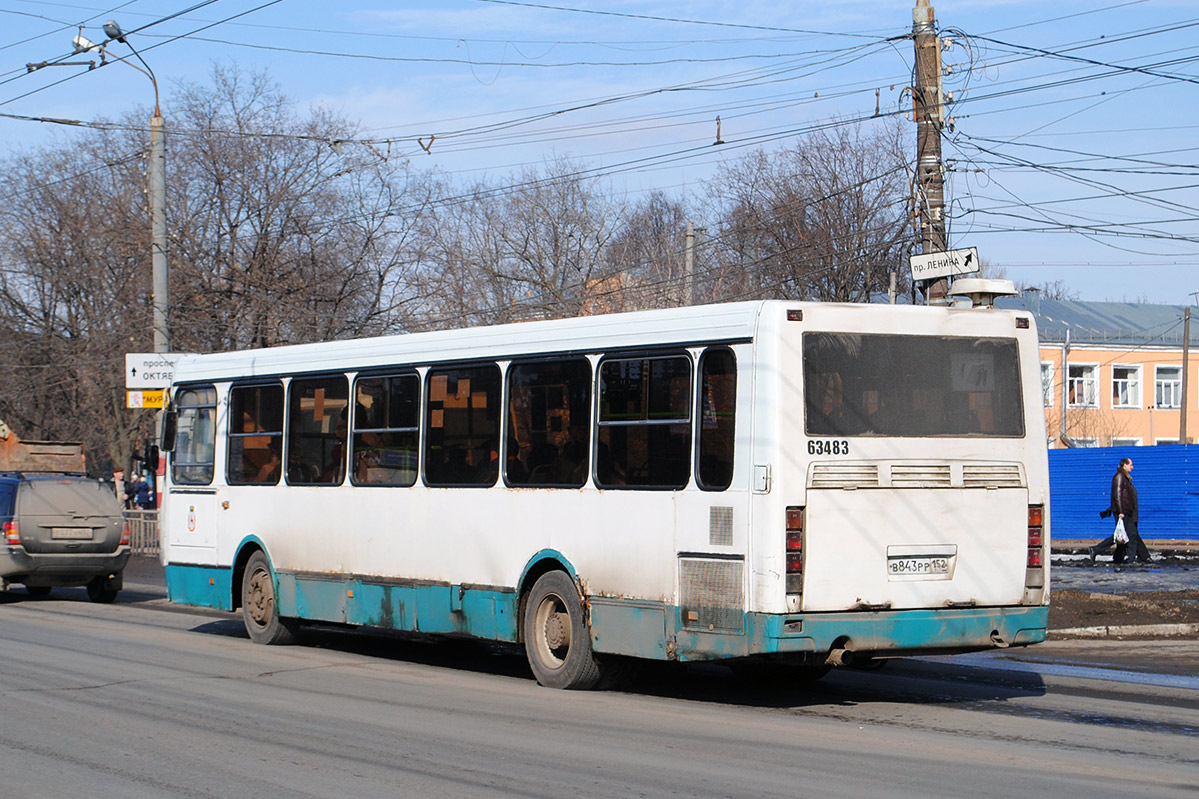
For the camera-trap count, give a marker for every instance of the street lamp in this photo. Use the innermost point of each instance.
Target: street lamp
(157, 196)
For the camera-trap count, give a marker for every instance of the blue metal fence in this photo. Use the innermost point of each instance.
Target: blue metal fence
(1167, 481)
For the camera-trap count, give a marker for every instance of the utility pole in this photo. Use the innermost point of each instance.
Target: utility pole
(688, 265)
(1186, 367)
(929, 110)
(158, 229)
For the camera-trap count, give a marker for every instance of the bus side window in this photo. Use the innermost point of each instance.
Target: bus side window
(192, 461)
(643, 437)
(717, 417)
(255, 434)
(386, 430)
(317, 423)
(549, 415)
(462, 417)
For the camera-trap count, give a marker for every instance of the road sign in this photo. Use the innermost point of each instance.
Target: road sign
(150, 369)
(944, 264)
(152, 398)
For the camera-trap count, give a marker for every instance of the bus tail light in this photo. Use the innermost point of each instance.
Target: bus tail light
(1036, 537)
(125, 534)
(794, 553)
(12, 536)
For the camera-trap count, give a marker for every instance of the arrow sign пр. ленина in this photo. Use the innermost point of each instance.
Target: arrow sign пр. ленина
(944, 264)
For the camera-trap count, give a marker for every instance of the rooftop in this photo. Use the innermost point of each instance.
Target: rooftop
(1115, 323)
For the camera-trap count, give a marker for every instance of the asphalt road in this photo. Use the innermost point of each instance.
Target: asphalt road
(145, 699)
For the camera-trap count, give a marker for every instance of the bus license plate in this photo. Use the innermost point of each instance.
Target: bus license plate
(71, 533)
(928, 566)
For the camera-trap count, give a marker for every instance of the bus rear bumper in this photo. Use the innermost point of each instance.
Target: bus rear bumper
(905, 632)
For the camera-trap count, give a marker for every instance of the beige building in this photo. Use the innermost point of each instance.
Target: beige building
(1113, 373)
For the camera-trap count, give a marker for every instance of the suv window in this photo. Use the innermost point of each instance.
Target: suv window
(8, 494)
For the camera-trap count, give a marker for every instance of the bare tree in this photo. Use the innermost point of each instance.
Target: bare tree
(283, 233)
(824, 220)
(646, 258)
(72, 300)
(526, 250)
(277, 234)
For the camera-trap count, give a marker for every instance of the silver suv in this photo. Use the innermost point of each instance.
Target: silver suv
(61, 529)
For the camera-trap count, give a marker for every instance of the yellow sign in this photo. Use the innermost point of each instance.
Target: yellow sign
(144, 399)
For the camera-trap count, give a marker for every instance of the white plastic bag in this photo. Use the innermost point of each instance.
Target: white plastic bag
(1120, 536)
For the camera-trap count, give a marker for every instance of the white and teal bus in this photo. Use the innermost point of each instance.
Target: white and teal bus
(785, 483)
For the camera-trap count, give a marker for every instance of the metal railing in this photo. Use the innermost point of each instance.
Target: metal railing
(143, 531)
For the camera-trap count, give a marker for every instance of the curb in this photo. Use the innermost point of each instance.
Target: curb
(1129, 629)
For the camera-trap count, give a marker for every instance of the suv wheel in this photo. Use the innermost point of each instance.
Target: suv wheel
(98, 591)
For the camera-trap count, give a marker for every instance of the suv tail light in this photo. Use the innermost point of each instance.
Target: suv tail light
(12, 536)
(125, 533)
(794, 553)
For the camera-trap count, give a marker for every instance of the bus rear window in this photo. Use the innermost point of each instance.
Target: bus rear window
(911, 386)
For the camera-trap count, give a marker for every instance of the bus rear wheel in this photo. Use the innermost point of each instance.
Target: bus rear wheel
(557, 641)
(259, 611)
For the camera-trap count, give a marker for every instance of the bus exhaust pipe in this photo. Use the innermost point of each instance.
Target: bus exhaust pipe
(839, 657)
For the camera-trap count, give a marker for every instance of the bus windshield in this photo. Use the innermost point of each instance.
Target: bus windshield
(911, 386)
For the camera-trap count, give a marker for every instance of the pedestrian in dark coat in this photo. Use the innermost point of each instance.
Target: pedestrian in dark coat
(1123, 506)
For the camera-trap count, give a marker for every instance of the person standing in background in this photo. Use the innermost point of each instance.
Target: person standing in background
(122, 491)
(1124, 507)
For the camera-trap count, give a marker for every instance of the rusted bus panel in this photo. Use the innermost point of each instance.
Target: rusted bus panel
(441, 609)
(628, 627)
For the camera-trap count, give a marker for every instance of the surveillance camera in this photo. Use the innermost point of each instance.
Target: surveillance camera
(82, 43)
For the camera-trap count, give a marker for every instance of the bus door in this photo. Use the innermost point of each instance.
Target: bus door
(190, 510)
(713, 523)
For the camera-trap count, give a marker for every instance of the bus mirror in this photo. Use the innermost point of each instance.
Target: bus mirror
(170, 424)
(150, 457)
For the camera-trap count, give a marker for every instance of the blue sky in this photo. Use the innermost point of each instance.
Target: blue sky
(1072, 156)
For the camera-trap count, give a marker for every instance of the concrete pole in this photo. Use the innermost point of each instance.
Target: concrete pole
(1186, 368)
(689, 266)
(158, 231)
(929, 112)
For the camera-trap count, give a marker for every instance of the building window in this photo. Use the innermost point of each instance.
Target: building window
(1086, 442)
(1047, 384)
(1161, 441)
(1126, 386)
(1168, 386)
(1126, 442)
(1081, 385)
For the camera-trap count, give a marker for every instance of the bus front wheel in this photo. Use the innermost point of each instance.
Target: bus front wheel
(259, 611)
(557, 641)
